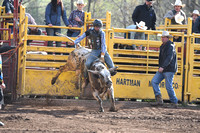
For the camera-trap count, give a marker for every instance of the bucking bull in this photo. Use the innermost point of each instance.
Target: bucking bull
(99, 75)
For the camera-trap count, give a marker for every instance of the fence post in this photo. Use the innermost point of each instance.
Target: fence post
(110, 42)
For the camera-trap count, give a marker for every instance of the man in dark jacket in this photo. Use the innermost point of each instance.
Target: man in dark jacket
(167, 69)
(9, 6)
(145, 13)
(197, 29)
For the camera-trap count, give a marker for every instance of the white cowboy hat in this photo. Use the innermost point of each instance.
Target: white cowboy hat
(165, 34)
(178, 3)
(80, 2)
(141, 25)
(179, 18)
(195, 12)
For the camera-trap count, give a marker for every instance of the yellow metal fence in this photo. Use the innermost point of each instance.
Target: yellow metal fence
(136, 67)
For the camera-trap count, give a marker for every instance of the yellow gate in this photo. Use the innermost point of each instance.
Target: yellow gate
(137, 67)
(37, 66)
(193, 86)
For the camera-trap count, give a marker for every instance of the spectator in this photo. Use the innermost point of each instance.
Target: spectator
(197, 29)
(145, 13)
(98, 46)
(76, 19)
(195, 15)
(177, 16)
(8, 6)
(2, 85)
(167, 69)
(177, 13)
(32, 30)
(9, 9)
(137, 35)
(54, 10)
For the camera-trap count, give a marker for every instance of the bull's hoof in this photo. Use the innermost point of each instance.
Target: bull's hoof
(53, 81)
(101, 110)
(113, 110)
(1, 123)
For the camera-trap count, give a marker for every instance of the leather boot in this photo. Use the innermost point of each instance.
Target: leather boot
(159, 101)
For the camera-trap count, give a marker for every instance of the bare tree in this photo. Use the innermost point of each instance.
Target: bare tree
(94, 9)
(123, 7)
(72, 5)
(89, 4)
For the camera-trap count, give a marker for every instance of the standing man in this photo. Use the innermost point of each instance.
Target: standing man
(167, 69)
(54, 11)
(76, 19)
(32, 30)
(177, 15)
(145, 13)
(195, 15)
(2, 86)
(196, 29)
(9, 6)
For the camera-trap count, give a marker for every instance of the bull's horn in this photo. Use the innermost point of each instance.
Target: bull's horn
(113, 69)
(94, 72)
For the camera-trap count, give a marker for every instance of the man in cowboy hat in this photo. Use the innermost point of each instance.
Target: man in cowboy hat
(137, 35)
(167, 69)
(76, 19)
(145, 13)
(176, 15)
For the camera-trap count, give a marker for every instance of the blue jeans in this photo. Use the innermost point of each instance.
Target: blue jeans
(71, 34)
(168, 76)
(37, 32)
(95, 54)
(52, 32)
(1, 96)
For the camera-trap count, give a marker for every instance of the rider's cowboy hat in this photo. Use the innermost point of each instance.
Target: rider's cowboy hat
(165, 34)
(141, 25)
(178, 3)
(80, 2)
(179, 18)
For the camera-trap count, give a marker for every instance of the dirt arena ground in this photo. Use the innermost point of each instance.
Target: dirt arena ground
(81, 116)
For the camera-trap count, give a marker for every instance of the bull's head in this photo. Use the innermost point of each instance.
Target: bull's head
(103, 76)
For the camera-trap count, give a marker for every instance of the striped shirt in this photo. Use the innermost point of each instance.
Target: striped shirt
(72, 20)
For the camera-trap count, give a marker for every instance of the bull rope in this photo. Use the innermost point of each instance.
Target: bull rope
(59, 34)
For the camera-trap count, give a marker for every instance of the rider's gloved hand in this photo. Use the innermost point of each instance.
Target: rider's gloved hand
(71, 43)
